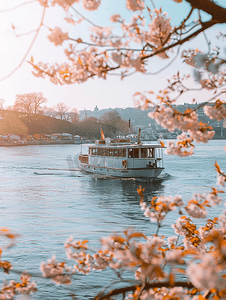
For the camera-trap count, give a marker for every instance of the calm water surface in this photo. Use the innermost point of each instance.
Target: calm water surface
(45, 203)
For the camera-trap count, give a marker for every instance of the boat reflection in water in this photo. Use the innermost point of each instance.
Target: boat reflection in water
(123, 196)
(120, 158)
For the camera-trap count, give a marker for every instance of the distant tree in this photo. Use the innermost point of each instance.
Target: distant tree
(114, 119)
(38, 101)
(11, 124)
(61, 109)
(73, 116)
(90, 128)
(29, 103)
(41, 124)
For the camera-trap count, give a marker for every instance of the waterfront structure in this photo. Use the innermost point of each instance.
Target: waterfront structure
(120, 158)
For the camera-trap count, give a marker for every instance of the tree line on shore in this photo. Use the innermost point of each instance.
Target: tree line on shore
(27, 117)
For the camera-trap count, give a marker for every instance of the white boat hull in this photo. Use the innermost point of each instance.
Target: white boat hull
(149, 173)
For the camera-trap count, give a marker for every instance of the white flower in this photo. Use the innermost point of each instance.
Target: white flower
(213, 199)
(57, 36)
(196, 211)
(158, 32)
(175, 148)
(70, 20)
(173, 256)
(220, 180)
(200, 136)
(64, 3)
(115, 18)
(134, 5)
(222, 221)
(91, 4)
(43, 3)
(172, 240)
(205, 275)
(56, 271)
(218, 113)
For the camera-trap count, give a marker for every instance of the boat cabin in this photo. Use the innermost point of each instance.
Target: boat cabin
(124, 156)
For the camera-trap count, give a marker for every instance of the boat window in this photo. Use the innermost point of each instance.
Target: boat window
(116, 152)
(95, 151)
(130, 153)
(136, 153)
(120, 152)
(151, 152)
(133, 152)
(107, 152)
(99, 152)
(144, 152)
(103, 152)
(111, 152)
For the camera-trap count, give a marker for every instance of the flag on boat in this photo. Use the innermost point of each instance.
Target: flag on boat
(102, 134)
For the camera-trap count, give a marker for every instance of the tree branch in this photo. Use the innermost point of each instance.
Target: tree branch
(210, 7)
(29, 49)
(205, 26)
(147, 286)
(13, 8)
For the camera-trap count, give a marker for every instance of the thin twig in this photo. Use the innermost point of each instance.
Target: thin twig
(75, 10)
(27, 33)
(162, 69)
(29, 49)
(205, 26)
(13, 8)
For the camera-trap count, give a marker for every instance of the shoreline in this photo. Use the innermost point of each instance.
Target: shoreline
(40, 142)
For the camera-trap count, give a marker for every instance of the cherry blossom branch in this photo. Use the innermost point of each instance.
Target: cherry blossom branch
(29, 49)
(162, 69)
(205, 26)
(216, 11)
(27, 33)
(13, 8)
(133, 288)
(79, 41)
(77, 12)
(179, 27)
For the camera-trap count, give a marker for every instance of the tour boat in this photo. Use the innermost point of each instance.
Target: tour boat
(120, 158)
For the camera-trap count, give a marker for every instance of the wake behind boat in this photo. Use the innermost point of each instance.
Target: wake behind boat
(120, 158)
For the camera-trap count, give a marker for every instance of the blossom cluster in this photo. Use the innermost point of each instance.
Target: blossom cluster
(57, 36)
(159, 207)
(135, 5)
(207, 68)
(87, 4)
(221, 176)
(182, 148)
(218, 111)
(13, 288)
(171, 119)
(120, 56)
(57, 271)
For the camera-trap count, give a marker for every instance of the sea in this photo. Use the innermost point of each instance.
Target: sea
(45, 199)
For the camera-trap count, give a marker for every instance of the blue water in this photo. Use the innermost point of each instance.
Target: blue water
(45, 203)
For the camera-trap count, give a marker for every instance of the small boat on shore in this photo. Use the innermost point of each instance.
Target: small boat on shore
(120, 158)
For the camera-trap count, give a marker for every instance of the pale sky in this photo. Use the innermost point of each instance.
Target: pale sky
(104, 93)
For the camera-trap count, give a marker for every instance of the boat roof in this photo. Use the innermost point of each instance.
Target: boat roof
(127, 145)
